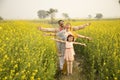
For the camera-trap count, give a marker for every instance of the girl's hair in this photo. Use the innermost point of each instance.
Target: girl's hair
(70, 36)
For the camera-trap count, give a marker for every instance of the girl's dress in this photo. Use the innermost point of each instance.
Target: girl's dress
(69, 51)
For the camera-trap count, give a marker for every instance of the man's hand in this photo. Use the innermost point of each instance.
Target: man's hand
(40, 28)
(87, 24)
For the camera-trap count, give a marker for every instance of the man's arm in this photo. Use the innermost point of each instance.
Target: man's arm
(80, 27)
(48, 29)
(50, 34)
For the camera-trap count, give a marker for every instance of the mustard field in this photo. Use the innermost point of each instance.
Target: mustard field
(26, 54)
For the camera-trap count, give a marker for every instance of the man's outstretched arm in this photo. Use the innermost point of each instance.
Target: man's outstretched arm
(81, 27)
(47, 29)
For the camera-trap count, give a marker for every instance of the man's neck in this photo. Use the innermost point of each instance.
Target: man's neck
(62, 26)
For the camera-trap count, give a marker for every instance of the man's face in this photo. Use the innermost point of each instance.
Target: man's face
(61, 23)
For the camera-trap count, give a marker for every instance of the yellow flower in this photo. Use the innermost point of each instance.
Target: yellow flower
(6, 56)
(118, 71)
(104, 63)
(7, 38)
(33, 74)
(35, 62)
(12, 71)
(5, 78)
(17, 74)
(12, 61)
(0, 27)
(18, 59)
(32, 78)
(0, 69)
(36, 71)
(23, 77)
(16, 66)
(23, 71)
(38, 78)
(115, 78)
(11, 77)
(28, 64)
(107, 77)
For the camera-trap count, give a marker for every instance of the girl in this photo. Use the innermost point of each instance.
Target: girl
(69, 52)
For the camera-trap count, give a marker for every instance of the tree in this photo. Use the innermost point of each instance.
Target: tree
(1, 18)
(98, 16)
(89, 16)
(65, 15)
(42, 14)
(51, 13)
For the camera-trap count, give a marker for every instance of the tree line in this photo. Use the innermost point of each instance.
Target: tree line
(42, 14)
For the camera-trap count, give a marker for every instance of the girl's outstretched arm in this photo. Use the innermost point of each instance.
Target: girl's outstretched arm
(80, 27)
(48, 29)
(58, 40)
(79, 43)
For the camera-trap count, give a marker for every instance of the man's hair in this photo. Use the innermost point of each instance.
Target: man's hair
(60, 21)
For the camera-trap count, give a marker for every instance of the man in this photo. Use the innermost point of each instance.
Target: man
(61, 46)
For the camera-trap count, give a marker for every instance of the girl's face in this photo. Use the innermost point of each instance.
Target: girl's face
(70, 38)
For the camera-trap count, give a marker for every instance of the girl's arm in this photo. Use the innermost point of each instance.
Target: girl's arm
(58, 40)
(47, 29)
(80, 27)
(81, 36)
(79, 43)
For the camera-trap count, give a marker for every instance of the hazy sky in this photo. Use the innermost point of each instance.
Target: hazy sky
(27, 9)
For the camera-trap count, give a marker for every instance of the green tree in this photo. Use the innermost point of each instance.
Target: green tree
(98, 16)
(65, 15)
(51, 13)
(1, 18)
(42, 14)
(89, 16)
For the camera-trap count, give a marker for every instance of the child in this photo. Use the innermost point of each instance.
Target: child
(69, 52)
